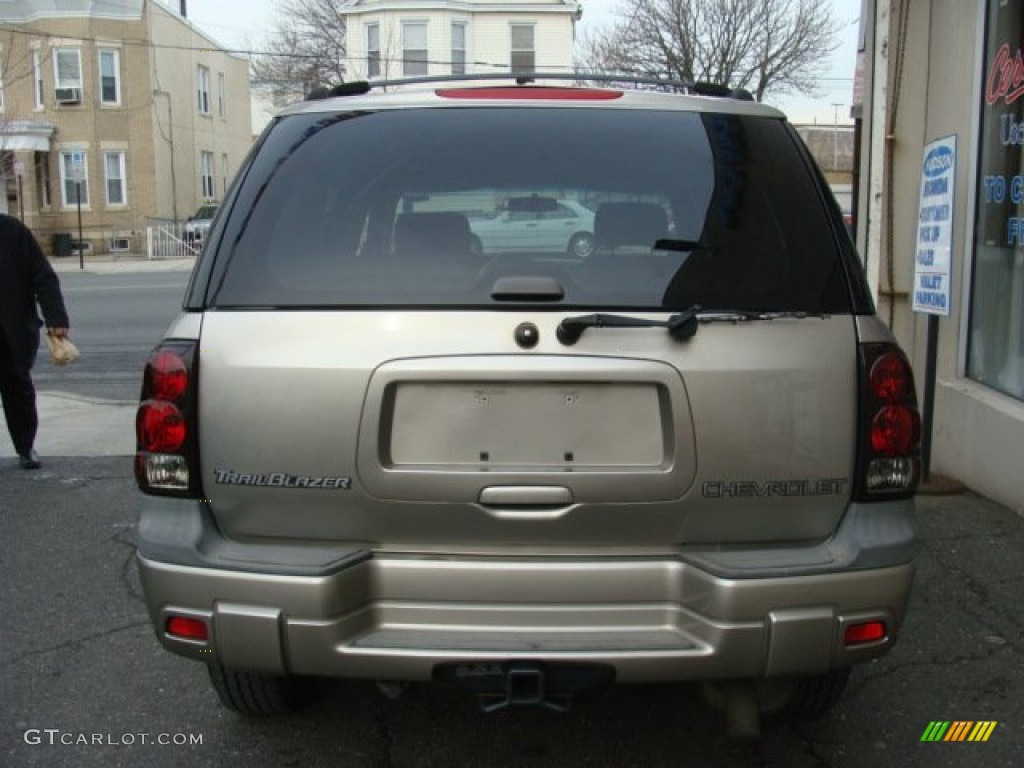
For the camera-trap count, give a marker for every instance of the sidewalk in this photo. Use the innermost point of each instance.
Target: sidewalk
(70, 425)
(123, 263)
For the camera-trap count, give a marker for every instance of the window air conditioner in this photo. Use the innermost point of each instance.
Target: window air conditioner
(69, 95)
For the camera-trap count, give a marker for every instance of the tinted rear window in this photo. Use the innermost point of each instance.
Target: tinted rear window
(623, 208)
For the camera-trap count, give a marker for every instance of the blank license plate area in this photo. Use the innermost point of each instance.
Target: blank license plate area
(527, 425)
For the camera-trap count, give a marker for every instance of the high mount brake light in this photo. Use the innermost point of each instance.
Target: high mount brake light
(888, 462)
(530, 93)
(166, 459)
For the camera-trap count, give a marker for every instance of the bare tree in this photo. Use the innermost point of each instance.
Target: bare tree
(761, 45)
(305, 49)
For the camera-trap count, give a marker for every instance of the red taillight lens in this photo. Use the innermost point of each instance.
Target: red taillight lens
(889, 378)
(868, 632)
(888, 464)
(167, 461)
(161, 427)
(168, 375)
(895, 430)
(188, 628)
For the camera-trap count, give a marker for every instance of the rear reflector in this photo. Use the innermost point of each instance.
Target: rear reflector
(187, 628)
(530, 93)
(868, 632)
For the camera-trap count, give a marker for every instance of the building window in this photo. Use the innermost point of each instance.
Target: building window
(414, 48)
(37, 79)
(67, 70)
(995, 355)
(203, 89)
(373, 50)
(224, 175)
(206, 173)
(221, 95)
(1, 81)
(458, 48)
(74, 165)
(523, 56)
(115, 171)
(110, 76)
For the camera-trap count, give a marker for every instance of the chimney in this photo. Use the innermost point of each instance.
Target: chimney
(184, 10)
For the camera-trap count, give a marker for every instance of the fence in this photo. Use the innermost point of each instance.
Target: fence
(166, 239)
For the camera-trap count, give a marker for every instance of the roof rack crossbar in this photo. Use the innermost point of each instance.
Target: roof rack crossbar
(527, 78)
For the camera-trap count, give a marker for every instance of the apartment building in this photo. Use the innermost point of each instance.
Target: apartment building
(114, 113)
(388, 39)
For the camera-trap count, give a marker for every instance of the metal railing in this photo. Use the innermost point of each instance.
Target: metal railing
(167, 239)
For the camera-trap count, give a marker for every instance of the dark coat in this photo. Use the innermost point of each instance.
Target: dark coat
(26, 279)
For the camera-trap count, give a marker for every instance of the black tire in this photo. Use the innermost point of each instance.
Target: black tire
(259, 694)
(791, 698)
(815, 696)
(581, 245)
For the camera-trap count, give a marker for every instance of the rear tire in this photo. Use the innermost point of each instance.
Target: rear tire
(814, 696)
(787, 699)
(258, 694)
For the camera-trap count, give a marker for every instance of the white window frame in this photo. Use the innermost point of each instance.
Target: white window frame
(207, 173)
(417, 66)
(458, 63)
(76, 82)
(221, 95)
(203, 89)
(65, 180)
(373, 62)
(38, 82)
(115, 54)
(532, 50)
(120, 178)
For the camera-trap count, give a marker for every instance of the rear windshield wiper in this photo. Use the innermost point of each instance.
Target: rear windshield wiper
(681, 326)
(749, 315)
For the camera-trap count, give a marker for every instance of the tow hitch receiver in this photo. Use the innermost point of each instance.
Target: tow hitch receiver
(524, 684)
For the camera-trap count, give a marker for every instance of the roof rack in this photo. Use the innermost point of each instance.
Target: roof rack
(359, 87)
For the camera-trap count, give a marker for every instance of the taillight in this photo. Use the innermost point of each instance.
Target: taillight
(890, 425)
(166, 459)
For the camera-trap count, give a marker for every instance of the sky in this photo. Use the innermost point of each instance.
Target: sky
(244, 24)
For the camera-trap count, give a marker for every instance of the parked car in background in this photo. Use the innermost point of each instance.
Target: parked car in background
(536, 224)
(198, 225)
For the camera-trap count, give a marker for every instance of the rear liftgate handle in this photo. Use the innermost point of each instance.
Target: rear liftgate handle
(526, 502)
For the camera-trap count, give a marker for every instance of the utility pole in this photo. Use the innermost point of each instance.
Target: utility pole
(835, 134)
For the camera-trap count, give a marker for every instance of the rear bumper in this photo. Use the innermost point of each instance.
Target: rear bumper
(397, 617)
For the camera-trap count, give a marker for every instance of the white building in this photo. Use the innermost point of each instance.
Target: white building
(389, 39)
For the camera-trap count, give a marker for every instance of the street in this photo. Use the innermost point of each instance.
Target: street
(115, 320)
(79, 665)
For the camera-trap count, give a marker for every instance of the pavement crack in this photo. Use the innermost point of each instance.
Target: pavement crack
(126, 538)
(73, 644)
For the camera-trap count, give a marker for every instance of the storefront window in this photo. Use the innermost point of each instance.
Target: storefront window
(996, 347)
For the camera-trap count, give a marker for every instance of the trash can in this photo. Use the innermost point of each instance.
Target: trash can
(62, 244)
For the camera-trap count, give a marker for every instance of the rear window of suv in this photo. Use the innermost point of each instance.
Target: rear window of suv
(430, 207)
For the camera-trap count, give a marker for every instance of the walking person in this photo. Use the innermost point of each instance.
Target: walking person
(27, 281)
